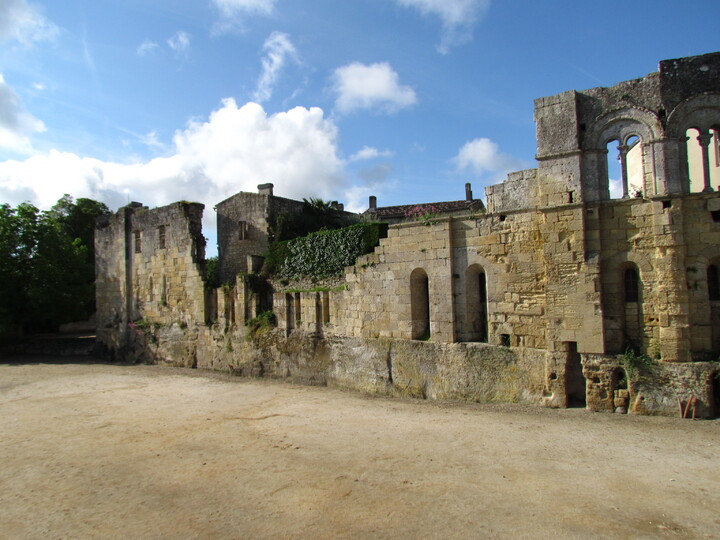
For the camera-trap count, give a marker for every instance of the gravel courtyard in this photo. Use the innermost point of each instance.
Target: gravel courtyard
(92, 450)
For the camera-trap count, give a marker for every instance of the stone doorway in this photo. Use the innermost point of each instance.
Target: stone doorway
(715, 394)
(574, 379)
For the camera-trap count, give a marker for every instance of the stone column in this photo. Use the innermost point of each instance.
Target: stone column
(623, 149)
(704, 140)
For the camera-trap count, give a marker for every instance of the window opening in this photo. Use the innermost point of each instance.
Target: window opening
(615, 184)
(161, 237)
(420, 304)
(289, 312)
(505, 340)
(634, 160)
(713, 281)
(476, 298)
(326, 307)
(242, 230)
(138, 244)
(631, 285)
(298, 310)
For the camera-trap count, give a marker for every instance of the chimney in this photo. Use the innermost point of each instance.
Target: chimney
(468, 192)
(373, 203)
(265, 189)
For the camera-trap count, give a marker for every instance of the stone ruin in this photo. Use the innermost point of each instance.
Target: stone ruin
(576, 286)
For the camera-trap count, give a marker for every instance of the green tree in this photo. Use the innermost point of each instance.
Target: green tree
(47, 267)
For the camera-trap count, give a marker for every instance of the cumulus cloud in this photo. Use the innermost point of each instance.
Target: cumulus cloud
(180, 42)
(278, 49)
(232, 12)
(375, 86)
(234, 149)
(146, 47)
(369, 152)
(16, 125)
(24, 22)
(457, 16)
(482, 157)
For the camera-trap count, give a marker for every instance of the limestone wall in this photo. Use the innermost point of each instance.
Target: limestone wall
(149, 271)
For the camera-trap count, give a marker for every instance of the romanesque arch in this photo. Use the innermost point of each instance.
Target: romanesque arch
(623, 293)
(632, 132)
(695, 126)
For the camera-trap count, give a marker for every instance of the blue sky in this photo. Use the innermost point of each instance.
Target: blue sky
(161, 100)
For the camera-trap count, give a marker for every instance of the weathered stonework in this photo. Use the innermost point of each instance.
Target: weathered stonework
(537, 298)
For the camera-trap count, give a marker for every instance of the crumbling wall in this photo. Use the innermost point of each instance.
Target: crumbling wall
(149, 265)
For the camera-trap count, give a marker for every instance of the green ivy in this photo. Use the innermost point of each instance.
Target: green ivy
(323, 253)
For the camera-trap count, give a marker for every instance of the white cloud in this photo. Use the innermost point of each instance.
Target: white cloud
(24, 22)
(369, 152)
(374, 86)
(278, 49)
(151, 139)
(482, 156)
(458, 17)
(235, 149)
(180, 42)
(146, 47)
(16, 125)
(232, 11)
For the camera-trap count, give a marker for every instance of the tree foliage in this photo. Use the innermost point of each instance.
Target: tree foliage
(315, 215)
(47, 264)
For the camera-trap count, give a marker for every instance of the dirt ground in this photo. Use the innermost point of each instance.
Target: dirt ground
(104, 451)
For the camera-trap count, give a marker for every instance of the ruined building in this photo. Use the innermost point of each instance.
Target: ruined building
(573, 287)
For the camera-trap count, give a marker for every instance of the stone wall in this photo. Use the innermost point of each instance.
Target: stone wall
(543, 298)
(149, 268)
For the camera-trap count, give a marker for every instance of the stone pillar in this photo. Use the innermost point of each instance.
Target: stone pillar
(704, 140)
(624, 149)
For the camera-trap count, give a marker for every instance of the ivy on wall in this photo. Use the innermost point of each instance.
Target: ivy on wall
(323, 253)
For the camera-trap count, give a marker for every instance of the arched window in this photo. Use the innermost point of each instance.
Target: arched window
(633, 311)
(631, 285)
(420, 304)
(703, 158)
(477, 312)
(625, 168)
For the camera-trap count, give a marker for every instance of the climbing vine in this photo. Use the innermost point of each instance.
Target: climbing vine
(323, 253)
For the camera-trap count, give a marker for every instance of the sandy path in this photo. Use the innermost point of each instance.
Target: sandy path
(145, 452)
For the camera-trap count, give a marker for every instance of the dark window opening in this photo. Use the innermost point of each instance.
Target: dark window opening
(161, 237)
(571, 197)
(666, 204)
(502, 217)
(713, 283)
(138, 242)
(715, 216)
(505, 340)
(419, 304)
(242, 230)
(632, 293)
